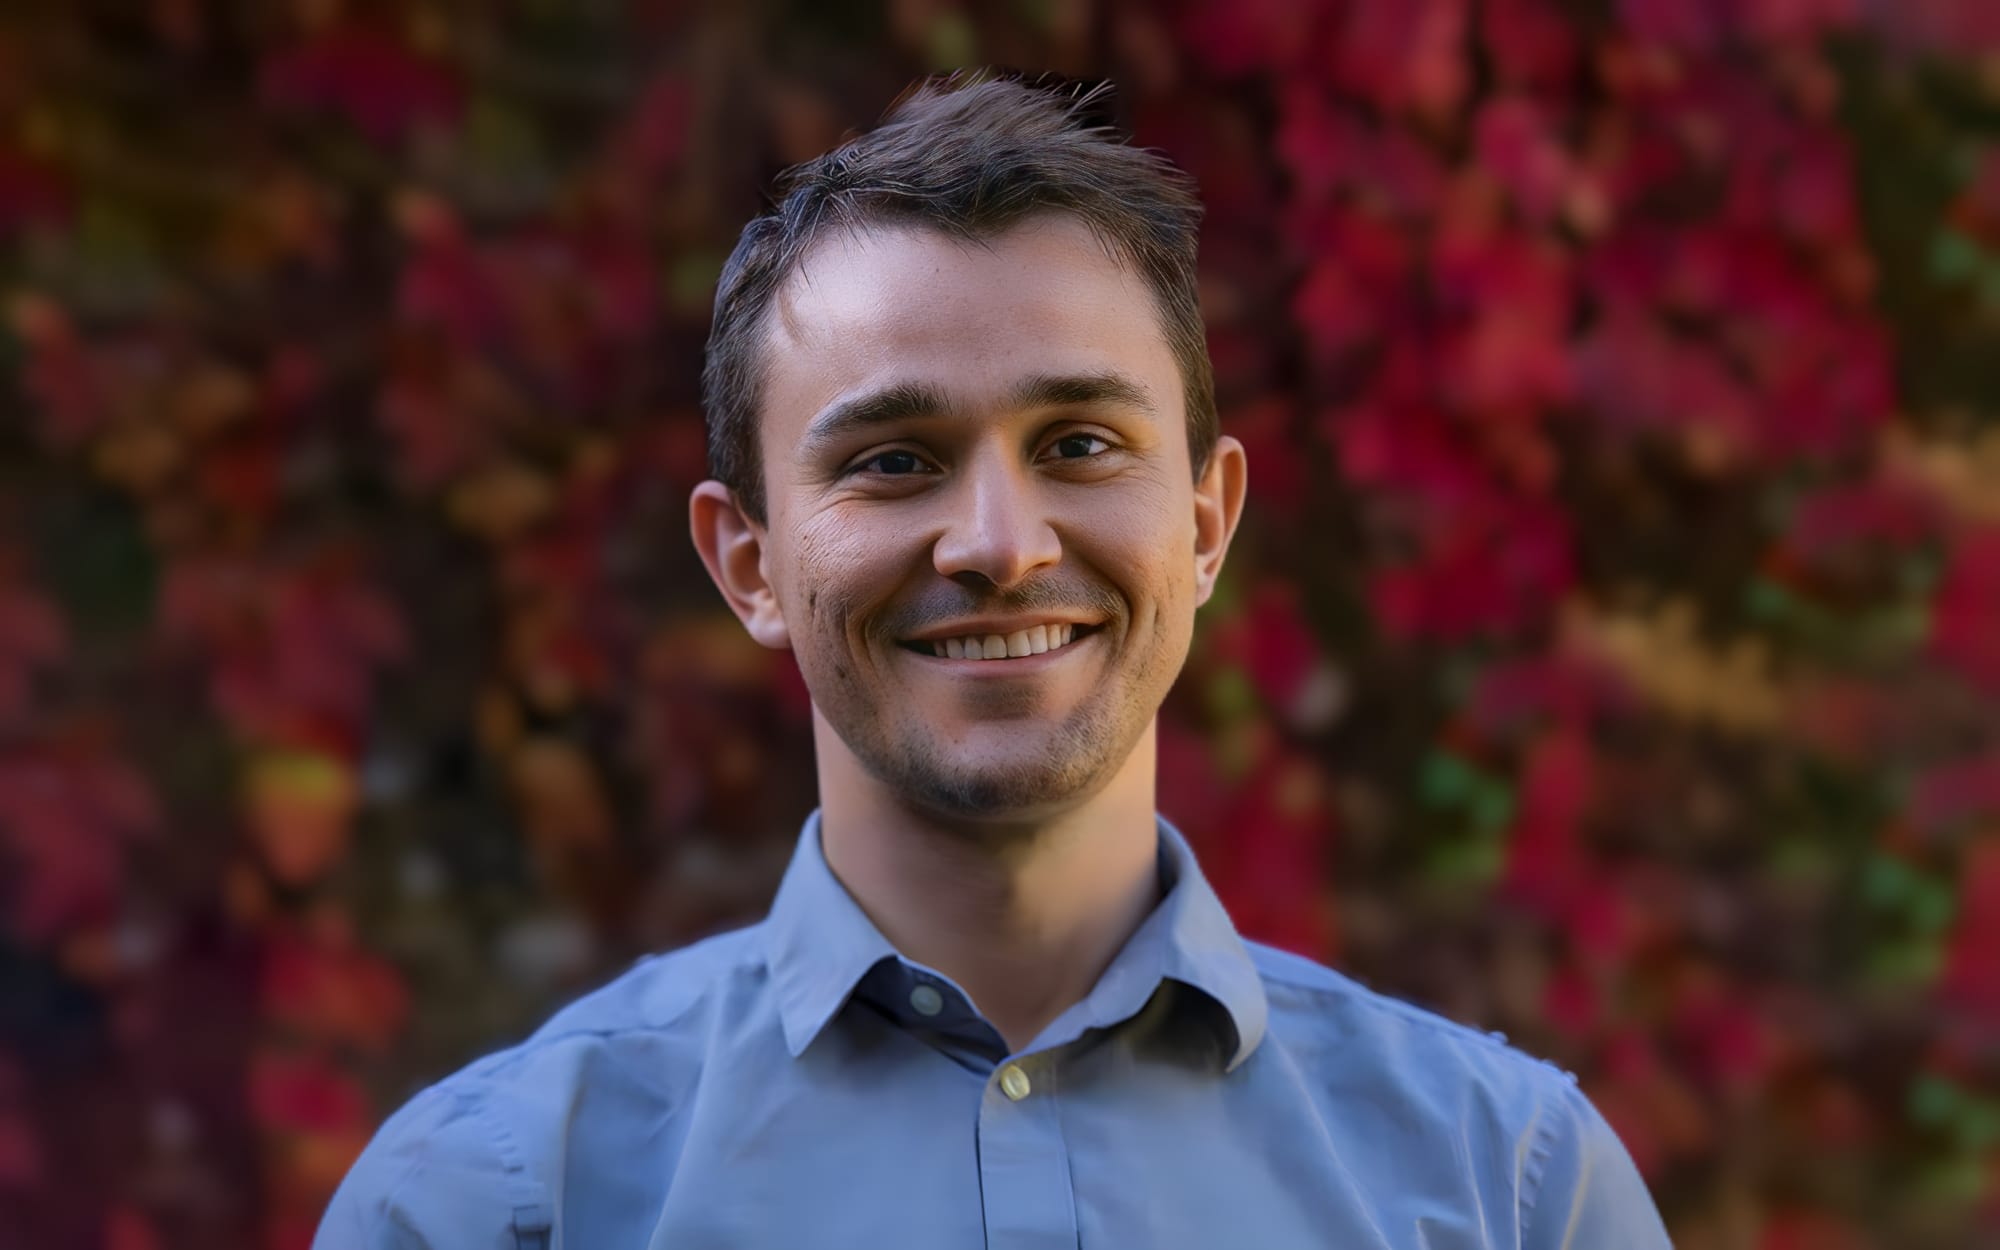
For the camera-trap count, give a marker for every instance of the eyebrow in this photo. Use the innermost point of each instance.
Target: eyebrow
(905, 401)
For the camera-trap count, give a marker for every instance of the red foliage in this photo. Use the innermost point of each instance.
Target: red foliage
(333, 994)
(1972, 964)
(292, 650)
(1546, 862)
(1617, 651)
(375, 82)
(32, 193)
(1965, 615)
(304, 1094)
(32, 637)
(67, 810)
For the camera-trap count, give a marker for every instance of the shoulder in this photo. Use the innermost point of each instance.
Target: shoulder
(475, 1150)
(1573, 1182)
(1314, 1006)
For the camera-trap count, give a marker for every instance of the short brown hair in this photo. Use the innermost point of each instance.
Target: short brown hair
(968, 155)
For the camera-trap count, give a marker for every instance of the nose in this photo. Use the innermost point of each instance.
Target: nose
(998, 532)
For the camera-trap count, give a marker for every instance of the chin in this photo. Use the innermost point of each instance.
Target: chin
(980, 781)
(997, 795)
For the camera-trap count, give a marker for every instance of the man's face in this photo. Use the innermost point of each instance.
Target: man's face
(982, 519)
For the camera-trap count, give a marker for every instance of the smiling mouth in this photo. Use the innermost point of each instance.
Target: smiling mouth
(1020, 644)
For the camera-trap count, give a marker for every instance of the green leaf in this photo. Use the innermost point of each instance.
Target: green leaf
(1230, 694)
(1932, 906)
(950, 43)
(1765, 600)
(1465, 859)
(1493, 807)
(1956, 259)
(1886, 882)
(1446, 780)
(1933, 1101)
(691, 277)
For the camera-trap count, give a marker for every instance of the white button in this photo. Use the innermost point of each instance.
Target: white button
(1014, 1082)
(926, 1000)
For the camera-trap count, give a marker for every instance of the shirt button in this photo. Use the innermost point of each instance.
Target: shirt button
(926, 1000)
(1014, 1082)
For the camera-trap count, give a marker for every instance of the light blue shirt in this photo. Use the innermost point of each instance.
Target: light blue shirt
(798, 1084)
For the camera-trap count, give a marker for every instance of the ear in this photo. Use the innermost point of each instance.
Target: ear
(1218, 505)
(732, 547)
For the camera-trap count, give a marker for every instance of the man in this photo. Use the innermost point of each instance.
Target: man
(967, 469)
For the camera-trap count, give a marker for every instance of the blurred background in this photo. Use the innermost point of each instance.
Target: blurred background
(1611, 656)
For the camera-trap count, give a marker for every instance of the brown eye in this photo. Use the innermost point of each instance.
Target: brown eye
(894, 463)
(1080, 447)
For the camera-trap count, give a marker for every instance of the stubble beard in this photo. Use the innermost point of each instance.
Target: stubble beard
(1075, 758)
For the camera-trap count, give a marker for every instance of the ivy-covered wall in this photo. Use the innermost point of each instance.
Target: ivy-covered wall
(1612, 657)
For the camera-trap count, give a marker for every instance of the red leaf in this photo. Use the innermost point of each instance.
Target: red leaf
(1270, 640)
(1329, 150)
(1273, 881)
(1957, 792)
(1473, 583)
(1192, 793)
(1531, 42)
(1573, 1003)
(21, 1161)
(1732, 1046)
(1335, 311)
(383, 88)
(1238, 36)
(1510, 356)
(654, 132)
(305, 1094)
(1547, 864)
(1530, 690)
(1515, 142)
(1892, 514)
(1687, 25)
(128, 1228)
(32, 193)
(446, 284)
(1965, 614)
(334, 996)
(1271, 442)
(1405, 55)
(1971, 978)
(32, 637)
(61, 379)
(1963, 28)
(1360, 287)
(66, 816)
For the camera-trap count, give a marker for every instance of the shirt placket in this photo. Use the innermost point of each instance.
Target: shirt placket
(1024, 1176)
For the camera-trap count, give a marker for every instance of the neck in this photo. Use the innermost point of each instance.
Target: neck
(1024, 914)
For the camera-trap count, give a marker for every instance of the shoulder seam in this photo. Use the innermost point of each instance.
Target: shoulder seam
(1348, 988)
(528, 1198)
(459, 1098)
(1536, 1168)
(506, 1058)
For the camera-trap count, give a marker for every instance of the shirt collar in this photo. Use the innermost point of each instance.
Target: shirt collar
(1202, 947)
(820, 944)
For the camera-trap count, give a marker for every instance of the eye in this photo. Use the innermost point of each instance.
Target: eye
(893, 464)
(1079, 447)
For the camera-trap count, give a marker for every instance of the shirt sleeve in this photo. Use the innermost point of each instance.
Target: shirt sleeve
(439, 1175)
(1586, 1194)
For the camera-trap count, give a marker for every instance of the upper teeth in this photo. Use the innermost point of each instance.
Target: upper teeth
(1021, 642)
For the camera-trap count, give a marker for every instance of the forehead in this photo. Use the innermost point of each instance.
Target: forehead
(887, 305)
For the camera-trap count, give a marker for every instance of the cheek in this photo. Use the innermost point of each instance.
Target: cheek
(1143, 539)
(832, 571)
